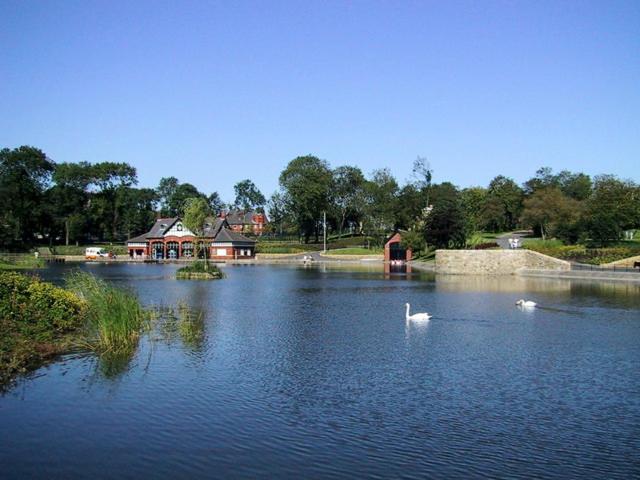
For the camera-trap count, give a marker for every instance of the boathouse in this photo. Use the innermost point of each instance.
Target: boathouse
(246, 222)
(393, 250)
(170, 239)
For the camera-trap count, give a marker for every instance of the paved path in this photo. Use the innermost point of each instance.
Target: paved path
(503, 240)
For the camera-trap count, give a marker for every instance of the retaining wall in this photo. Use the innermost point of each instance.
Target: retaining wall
(494, 262)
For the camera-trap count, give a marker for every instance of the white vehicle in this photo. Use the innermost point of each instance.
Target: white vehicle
(94, 253)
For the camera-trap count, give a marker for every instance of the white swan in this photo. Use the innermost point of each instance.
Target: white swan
(526, 303)
(417, 316)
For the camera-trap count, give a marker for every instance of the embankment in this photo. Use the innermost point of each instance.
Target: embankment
(494, 262)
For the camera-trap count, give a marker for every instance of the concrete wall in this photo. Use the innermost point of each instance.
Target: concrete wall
(494, 262)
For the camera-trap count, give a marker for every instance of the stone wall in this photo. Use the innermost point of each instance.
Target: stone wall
(494, 262)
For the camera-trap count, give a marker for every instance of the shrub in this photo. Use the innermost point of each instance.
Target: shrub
(34, 317)
(485, 246)
(37, 307)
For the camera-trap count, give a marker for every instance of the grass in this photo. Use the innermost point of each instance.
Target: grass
(582, 253)
(118, 249)
(356, 251)
(115, 317)
(20, 261)
(199, 270)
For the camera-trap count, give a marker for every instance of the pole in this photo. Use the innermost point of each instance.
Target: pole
(324, 240)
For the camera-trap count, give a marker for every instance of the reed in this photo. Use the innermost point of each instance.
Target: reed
(114, 316)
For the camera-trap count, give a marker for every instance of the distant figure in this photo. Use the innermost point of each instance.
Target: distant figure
(37, 254)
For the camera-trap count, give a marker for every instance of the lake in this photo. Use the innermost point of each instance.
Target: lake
(314, 373)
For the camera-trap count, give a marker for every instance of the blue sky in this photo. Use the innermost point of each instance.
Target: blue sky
(215, 92)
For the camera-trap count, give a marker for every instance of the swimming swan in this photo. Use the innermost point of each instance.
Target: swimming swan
(526, 303)
(417, 316)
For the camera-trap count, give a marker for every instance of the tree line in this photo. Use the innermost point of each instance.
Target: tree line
(49, 202)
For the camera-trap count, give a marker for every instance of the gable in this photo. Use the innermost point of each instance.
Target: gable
(178, 230)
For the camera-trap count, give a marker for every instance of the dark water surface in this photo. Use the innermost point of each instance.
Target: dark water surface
(312, 373)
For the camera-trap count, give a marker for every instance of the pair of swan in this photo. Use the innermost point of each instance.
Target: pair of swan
(526, 303)
(416, 316)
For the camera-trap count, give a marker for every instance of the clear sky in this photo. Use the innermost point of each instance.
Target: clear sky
(215, 92)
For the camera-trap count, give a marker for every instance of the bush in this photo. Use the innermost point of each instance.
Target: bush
(34, 318)
(582, 254)
(485, 246)
(37, 307)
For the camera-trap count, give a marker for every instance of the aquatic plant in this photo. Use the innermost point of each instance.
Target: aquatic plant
(199, 270)
(115, 318)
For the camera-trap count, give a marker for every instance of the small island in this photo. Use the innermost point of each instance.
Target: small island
(199, 270)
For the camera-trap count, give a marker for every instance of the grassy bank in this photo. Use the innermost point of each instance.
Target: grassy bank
(118, 249)
(356, 251)
(20, 261)
(39, 321)
(582, 253)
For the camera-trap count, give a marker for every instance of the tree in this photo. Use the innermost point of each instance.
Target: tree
(248, 197)
(411, 207)
(503, 204)
(306, 184)
(348, 193)
(277, 210)
(137, 209)
(423, 173)
(196, 212)
(215, 203)
(575, 185)
(166, 190)
(473, 202)
(413, 240)
(446, 225)
(549, 211)
(381, 192)
(613, 208)
(25, 173)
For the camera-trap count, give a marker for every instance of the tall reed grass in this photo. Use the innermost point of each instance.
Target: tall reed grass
(114, 316)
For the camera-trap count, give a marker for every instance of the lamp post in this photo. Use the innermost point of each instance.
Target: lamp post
(324, 234)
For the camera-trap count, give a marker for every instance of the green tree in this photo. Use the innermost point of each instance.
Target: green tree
(215, 203)
(306, 184)
(277, 208)
(446, 225)
(196, 212)
(473, 202)
(348, 194)
(248, 197)
(413, 240)
(613, 208)
(550, 212)
(503, 204)
(381, 207)
(25, 173)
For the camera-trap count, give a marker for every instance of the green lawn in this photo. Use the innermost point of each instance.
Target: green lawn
(356, 251)
(117, 248)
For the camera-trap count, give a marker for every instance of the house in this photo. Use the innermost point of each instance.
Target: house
(246, 222)
(169, 238)
(393, 250)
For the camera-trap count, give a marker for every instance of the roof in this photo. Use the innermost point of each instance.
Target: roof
(212, 226)
(227, 235)
(215, 228)
(139, 239)
(239, 217)
(161, 226)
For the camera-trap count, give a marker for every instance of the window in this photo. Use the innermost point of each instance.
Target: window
(179, 227)
(221, 252)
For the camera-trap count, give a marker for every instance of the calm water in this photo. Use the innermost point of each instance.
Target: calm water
(305, 373)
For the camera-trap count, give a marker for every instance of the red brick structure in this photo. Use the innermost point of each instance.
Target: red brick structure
(246, 222)
(393, 251)
(170, 239)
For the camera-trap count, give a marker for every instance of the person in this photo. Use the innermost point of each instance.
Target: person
(37, 254)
